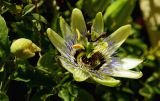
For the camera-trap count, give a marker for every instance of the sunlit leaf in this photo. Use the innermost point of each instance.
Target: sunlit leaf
(4, 47)
(39, 18)
(27, 9)
(47, 63)
(3, 97)
(68, 92)
(117, 14)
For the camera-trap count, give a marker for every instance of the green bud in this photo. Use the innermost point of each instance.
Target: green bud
(24, 48)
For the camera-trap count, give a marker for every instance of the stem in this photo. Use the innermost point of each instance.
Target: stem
(5, 83)
(28, 94)
(5, 86)
(1, 85)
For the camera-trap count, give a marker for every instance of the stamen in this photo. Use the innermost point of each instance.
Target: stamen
(78, 46)
(78, 34)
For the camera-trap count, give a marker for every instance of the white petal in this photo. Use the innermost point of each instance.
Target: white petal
(107, 81)
(129, 63)
(126, 74)
(58, 42)
(78, 22)
(66, 30)
(78, 74)
(67, 65)
(116, 39)
(98, 24)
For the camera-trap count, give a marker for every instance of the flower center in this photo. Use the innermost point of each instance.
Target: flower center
(94, 62)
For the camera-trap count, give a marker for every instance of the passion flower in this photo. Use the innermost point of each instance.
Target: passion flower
(90, 55)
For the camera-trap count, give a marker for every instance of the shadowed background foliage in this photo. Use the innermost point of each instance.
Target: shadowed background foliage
(44, 79)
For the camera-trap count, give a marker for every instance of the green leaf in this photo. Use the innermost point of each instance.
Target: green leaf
(68, 92)
(27, 9)
(137, 43)
(39, 17)
(146, 91)
(42, 94)
(3, 31)
(37, 24)
(156, 90)
(118, 13)
(4, 46)
(47, 63)
(153, 77)
(3, 97)
(83, 95)
(95, 6)
(128, 90)
(64, 94)
(21, 79)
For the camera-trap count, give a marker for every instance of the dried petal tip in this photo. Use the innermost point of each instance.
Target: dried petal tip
(24, 48)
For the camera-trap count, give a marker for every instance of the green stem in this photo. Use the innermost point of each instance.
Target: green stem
(5, 86)
(5, 83)
(28, 94)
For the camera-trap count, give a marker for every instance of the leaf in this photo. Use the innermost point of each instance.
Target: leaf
(94, 6)
(39, 18)
(137, 43)
(32, 76)
(27, 9)
(37, 24)
(83, 95)
(127, 90)
(42, 94)
(146, 91)
(156, 90)
(118, 13)
(47, 63)
(64, 94)
(22, 79)
(3, 97)
(68, 92)
(4, 46)
(73, 90)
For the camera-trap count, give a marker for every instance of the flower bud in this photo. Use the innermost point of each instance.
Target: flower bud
(24, 48)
